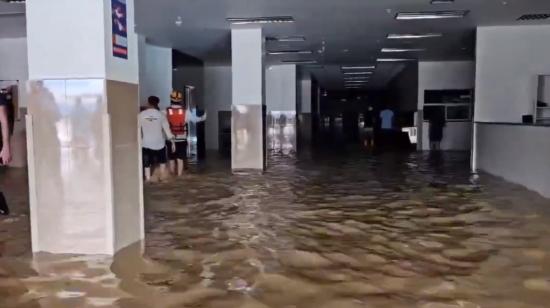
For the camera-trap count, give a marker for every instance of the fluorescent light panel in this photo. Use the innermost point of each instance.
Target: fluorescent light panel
(349, 82)
(394, 60)
(396, 36)
(402, 49)
(357, 78)
(288, 39)
(358, 73)
(300, 61)
(431, 15)
(260, 20)
(290, 52)
(442, 1)
(370, 67)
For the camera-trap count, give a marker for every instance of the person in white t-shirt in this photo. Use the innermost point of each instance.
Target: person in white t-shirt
(155, 130)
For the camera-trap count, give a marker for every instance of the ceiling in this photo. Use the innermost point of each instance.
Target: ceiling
(12, 20)
(354, 31)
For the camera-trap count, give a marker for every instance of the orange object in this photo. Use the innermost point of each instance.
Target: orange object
(176, 119)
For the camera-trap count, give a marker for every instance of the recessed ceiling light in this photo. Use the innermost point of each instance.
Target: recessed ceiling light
(442, 1)
(370, 67)
(287, 39)
(300, 61)
(290, 52)
(395, 36)
(431, 15)
(394, 60)
(356, 82)
(402, 49)
(260, 20)
(358, 73)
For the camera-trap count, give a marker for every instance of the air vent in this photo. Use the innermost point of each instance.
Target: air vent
(529, 17)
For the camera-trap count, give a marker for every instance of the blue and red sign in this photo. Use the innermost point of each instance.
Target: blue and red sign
(120, 30)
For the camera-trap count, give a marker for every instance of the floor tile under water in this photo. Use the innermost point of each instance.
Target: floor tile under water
(324, 232)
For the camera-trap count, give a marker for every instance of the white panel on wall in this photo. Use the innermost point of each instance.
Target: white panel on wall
(155, 72)
(281, 88)
(118, 69)
(509, 59)
(14, 65)
(217, 97)
(444, 75)
(69, 44)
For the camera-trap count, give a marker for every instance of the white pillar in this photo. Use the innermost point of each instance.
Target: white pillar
(281, 102)
(248, 139)
(83, 146)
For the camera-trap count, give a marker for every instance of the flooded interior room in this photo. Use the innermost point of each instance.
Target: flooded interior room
(275, 154)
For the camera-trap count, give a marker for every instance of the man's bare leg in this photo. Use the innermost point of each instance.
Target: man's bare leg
(181, 167)
(172, 166)
(164, 173)
(147, 174)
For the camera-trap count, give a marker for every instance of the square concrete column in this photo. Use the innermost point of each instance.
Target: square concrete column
(248, 107)
(83, 146)
(281, 102)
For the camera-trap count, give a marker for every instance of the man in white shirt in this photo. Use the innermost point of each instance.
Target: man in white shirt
(155, 130)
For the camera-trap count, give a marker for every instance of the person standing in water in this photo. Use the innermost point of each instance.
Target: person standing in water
(179, 118)
(154, 132)
(5, 148)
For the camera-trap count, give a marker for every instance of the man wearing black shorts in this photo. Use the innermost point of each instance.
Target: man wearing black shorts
(5, 149)
(154, 133)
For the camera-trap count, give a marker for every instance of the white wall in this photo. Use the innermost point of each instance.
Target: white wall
(68, 45)
(457, 136)
(247, 56)
(520, 154)
(77, 42)
(155, 72)
(281, 88)
(544, 89)
(304, 98)
(13, 59)
(444, 75)
(118, 69)
(509, 59)
(217, 97)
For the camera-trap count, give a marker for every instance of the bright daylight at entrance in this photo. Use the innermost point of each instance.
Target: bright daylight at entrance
(275, 153)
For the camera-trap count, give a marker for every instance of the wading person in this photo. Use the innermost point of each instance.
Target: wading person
(154, 133)
(5, 149)
(179, 118)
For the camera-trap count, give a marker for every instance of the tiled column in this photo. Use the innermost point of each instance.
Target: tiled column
(248, 113)
(84, 157)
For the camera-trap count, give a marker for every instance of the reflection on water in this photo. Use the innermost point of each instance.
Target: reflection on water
(355, 231)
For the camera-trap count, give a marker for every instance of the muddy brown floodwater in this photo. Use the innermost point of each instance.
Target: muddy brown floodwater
(393, 230)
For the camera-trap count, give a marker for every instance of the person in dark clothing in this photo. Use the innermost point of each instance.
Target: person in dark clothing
(437, 123)
(5, 132)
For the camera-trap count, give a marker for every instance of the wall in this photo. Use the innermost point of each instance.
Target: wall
(457, 136)
(13, 59)
(155, 72)
(53, 50)
(304, 94)
(509, 59)
(188, 71)
(217, 97)
(404, 89)
(444, 76)
(544, 89)
(517, 153)
(118, 69)
(281, 88)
